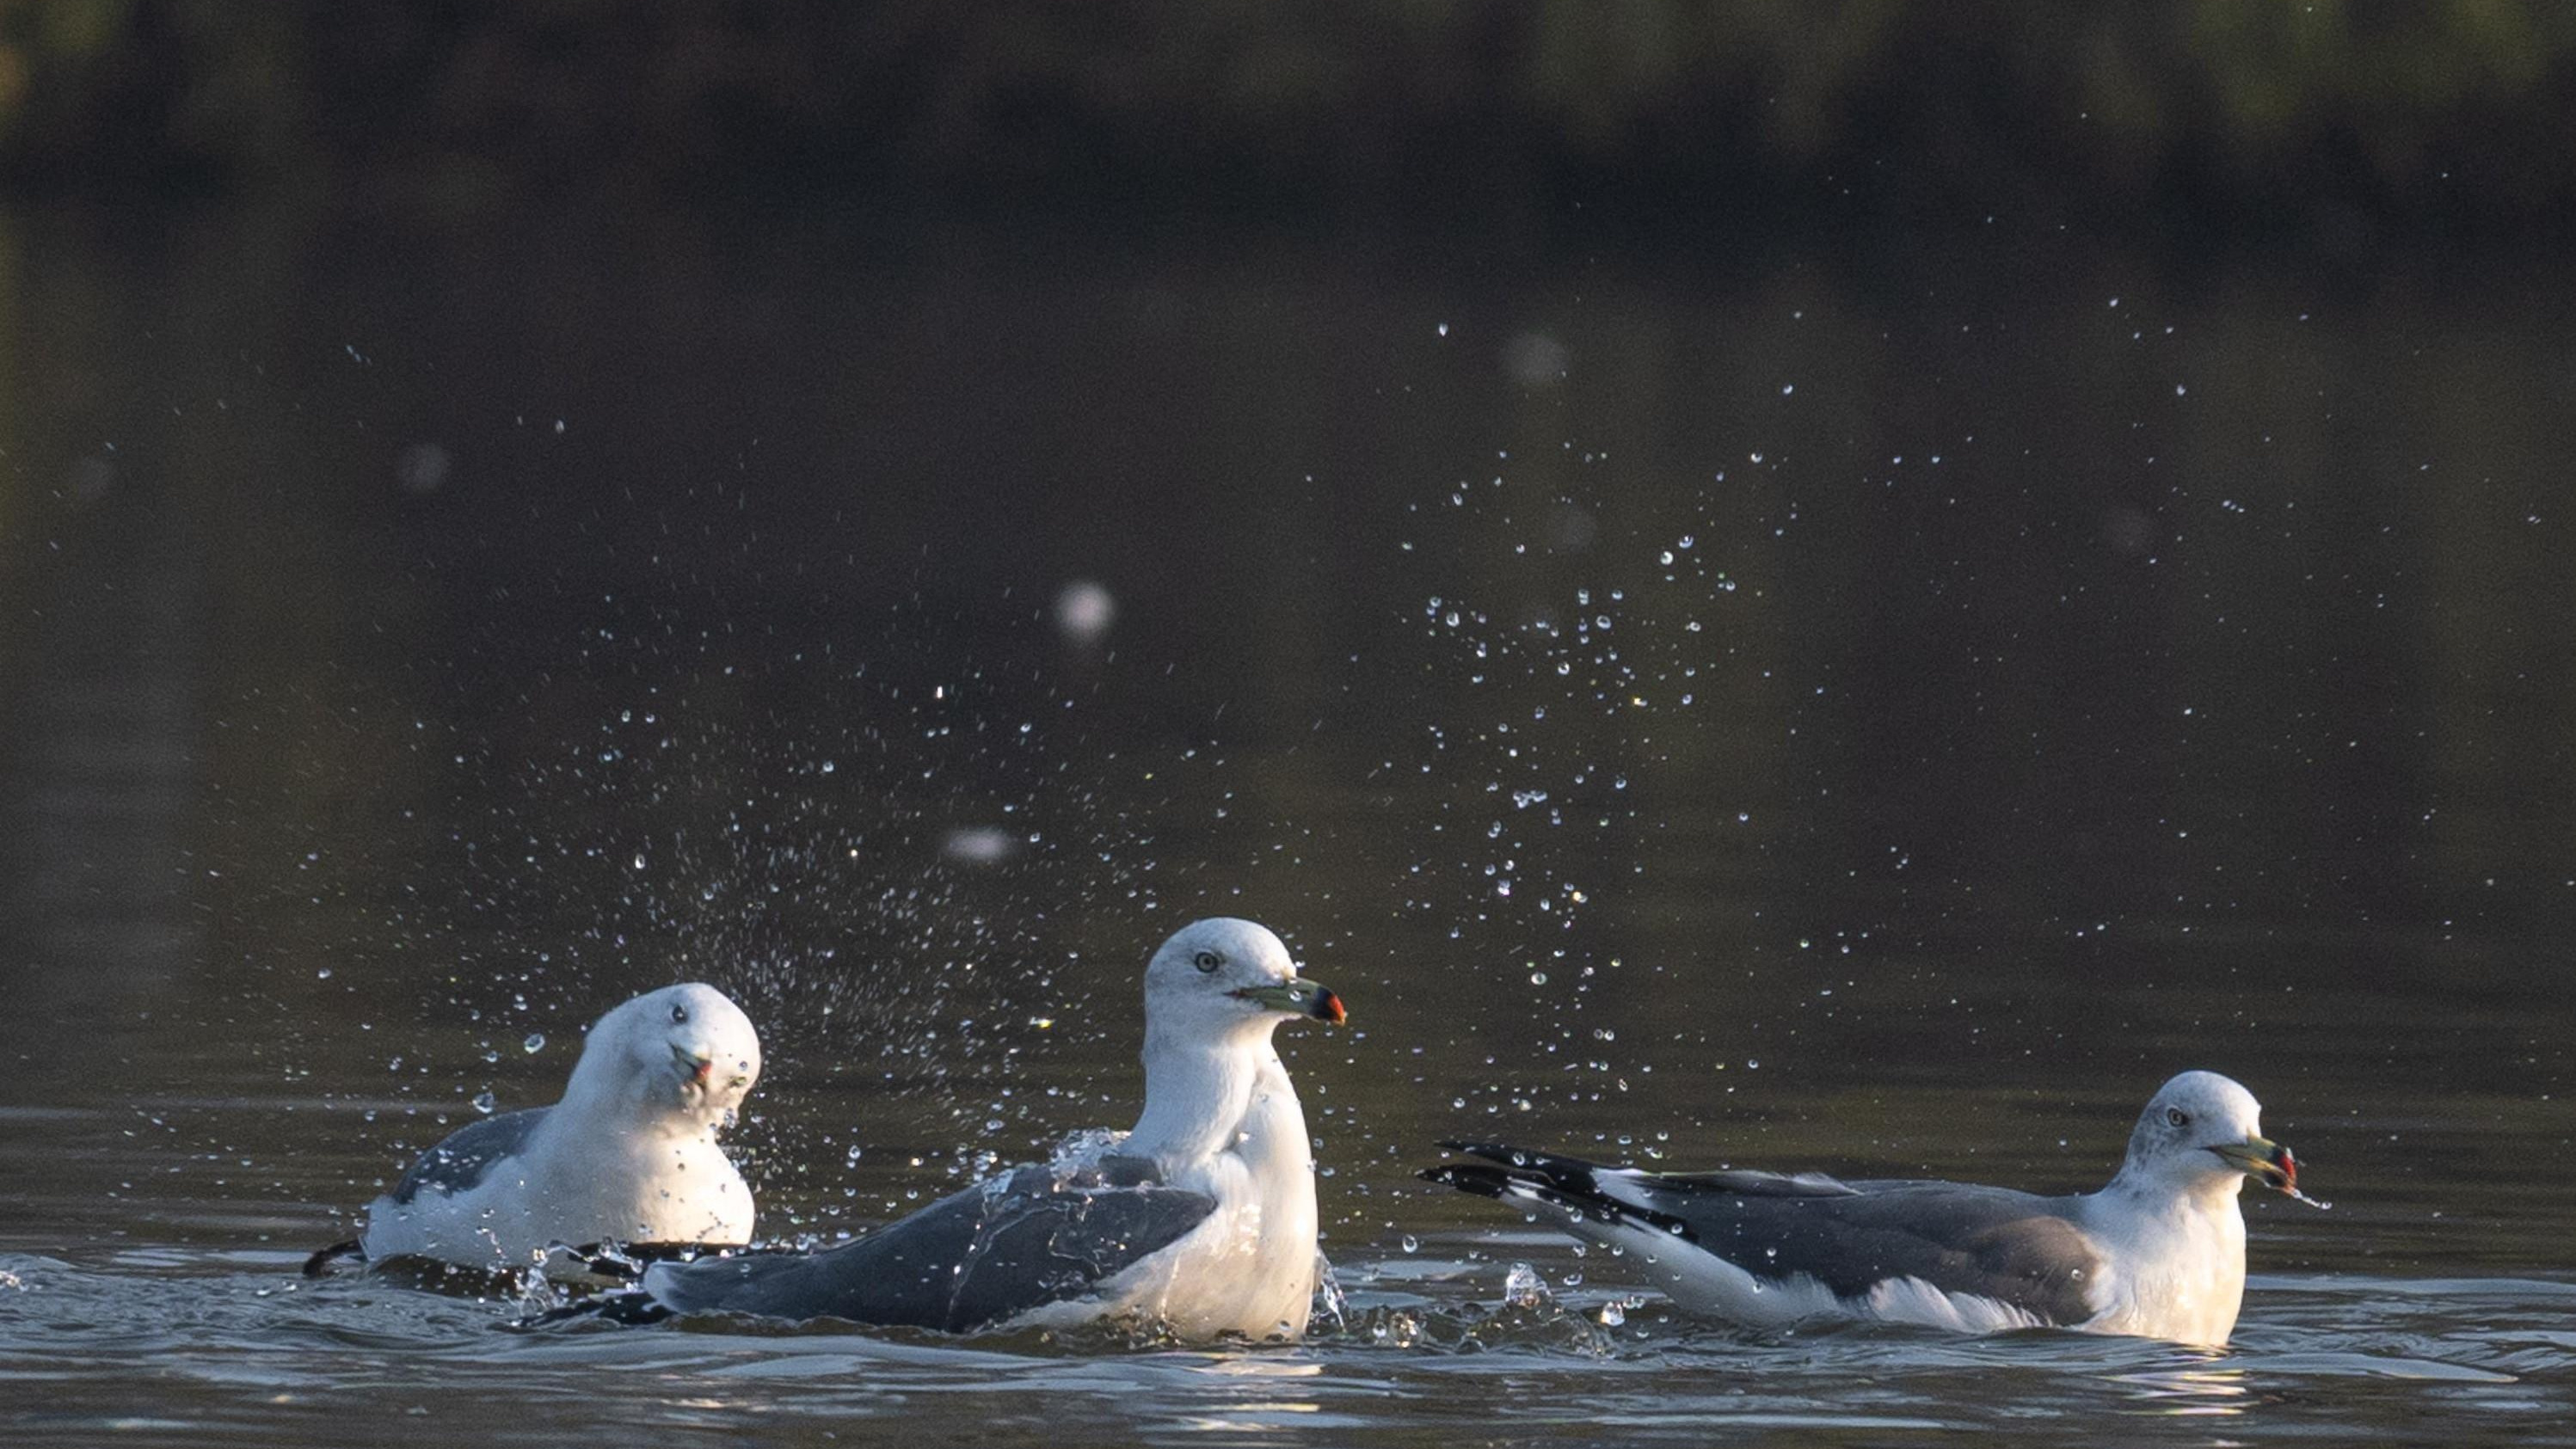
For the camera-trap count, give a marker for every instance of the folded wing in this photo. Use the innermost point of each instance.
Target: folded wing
(2013, 1247)
(1015, 1242)
(465, 1158)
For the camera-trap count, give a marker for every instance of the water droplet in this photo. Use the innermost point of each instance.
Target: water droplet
(535, 1043)
(1412, 1244)
(1084, 611)
(639, 860)
(484, 1103)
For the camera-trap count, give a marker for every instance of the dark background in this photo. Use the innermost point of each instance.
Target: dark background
(1971, 556)
(2336, 126)
(1799, 585)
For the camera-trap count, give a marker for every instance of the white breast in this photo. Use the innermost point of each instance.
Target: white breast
(1249, 1268)
(577, 1190)
(2176, 1271)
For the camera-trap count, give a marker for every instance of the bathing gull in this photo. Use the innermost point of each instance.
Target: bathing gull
(2159, 1252)
(1201, 1218)
(628, 1155)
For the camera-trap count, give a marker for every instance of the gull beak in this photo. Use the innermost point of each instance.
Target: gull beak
(695, 1065)
(2263, 1160)
(1298, 998)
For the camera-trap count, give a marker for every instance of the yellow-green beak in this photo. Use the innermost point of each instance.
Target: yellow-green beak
(2263, 1160)
(692, 1065)
(1298, 997)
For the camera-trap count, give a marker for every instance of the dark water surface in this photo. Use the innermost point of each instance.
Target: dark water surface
(1881, 712)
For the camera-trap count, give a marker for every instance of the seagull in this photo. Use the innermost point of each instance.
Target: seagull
(2159, 1252)
(628, 1155)
(1201, 1218)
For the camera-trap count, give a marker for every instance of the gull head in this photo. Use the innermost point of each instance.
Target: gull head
(1218, 977)
(684, 1048)
(2203, 1131)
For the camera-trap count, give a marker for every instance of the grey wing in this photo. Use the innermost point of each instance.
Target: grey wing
(971, 1259)
(466, 1157)
(2010, 1246)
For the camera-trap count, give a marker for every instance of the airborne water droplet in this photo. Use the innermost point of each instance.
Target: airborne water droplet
(535, 1043)
(484, 1103)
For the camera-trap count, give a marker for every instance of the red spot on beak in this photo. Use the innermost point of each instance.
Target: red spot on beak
(1328, 1007)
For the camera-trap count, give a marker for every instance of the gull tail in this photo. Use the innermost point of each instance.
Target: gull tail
(1632, 1211)
(632, 1307)
(326, 1261)
(1567, 1187)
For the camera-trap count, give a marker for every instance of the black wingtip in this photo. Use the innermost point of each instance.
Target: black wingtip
(325, 1259)
(631, 1308)
(1522, 1159)
(1568, 1174)
(1472, 1177)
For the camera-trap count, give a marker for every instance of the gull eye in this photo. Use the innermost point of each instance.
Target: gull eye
(679, 1013)
(1207, 960)
(2177, 1117)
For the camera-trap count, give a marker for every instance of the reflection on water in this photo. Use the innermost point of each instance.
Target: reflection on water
(2192, 1392)
(246, 1344)
(1866, 713)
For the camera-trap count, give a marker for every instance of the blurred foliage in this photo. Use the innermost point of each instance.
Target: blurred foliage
(2326, 113)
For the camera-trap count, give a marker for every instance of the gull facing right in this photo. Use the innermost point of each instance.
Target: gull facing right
(2159, 1252)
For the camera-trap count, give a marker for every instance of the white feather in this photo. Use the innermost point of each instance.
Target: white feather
(1220, 1118)
(629, 1154)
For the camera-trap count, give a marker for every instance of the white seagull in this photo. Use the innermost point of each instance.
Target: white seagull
(1201, 1218)
(629, 1155)
(2159, 1252)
